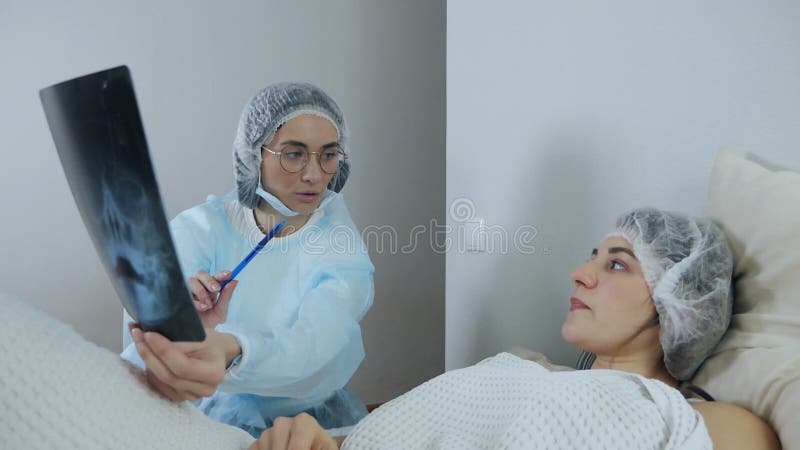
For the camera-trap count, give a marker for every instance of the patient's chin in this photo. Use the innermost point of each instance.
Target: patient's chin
(571, 332)
(578, 331)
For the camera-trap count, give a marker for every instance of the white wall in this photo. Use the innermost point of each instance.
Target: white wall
(561, 115)
(194, 65)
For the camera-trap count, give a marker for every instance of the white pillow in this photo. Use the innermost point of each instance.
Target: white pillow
(757, 364)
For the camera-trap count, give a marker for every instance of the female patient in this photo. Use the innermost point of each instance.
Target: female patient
(651, 303)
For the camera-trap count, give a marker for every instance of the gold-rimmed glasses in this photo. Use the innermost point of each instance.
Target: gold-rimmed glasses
(294, 158)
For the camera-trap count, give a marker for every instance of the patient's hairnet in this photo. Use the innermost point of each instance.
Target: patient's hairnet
(688, 267)
(266, 111)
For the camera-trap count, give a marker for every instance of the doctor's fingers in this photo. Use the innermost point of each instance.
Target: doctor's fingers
(210, 283)
(222, 275)
(132, 325)
(201, 294)
(163, 381)
(168, 383)
(225, 296)
(192, 361)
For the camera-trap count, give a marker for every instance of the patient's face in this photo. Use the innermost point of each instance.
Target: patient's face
(611, 310)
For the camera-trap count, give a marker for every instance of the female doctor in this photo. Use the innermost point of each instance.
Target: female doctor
(287, 328)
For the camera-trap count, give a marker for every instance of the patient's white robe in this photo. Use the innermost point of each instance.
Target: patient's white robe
(506, 402)
(59, 391)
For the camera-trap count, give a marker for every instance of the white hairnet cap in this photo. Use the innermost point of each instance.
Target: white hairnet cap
(266, 111)
(687, 265)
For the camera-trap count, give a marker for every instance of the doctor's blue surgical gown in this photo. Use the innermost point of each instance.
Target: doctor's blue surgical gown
(295, 312)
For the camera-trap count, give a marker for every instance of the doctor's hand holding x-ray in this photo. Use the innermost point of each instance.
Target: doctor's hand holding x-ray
(191, 370)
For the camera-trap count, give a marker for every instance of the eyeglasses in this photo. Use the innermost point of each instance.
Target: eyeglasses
(294, 158)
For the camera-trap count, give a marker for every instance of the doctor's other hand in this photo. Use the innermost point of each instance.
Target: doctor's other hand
(301, 432)
(210, 299)
(185, 370)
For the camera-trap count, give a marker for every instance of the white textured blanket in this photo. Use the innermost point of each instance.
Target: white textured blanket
(58, 391)
(506, 402)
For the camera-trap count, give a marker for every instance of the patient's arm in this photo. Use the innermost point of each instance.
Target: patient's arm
(298, 433)
(733, 427)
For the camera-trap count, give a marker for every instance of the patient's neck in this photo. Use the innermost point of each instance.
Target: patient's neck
(644, 363)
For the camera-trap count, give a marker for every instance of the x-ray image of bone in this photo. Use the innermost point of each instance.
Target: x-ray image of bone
(135, 248)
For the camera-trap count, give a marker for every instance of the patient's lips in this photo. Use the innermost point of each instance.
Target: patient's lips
(576, 303)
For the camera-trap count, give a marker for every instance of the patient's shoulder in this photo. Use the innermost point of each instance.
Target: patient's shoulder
(539, 358)
(733, 427)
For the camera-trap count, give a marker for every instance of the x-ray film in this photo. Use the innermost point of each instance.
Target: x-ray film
(100, 140)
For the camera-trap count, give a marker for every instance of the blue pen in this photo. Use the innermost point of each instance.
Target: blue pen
(252, 254)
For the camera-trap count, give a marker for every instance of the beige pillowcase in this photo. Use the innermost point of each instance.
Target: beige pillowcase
(757, 364)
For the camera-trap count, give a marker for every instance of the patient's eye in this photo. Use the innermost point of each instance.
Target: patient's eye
(617, 265)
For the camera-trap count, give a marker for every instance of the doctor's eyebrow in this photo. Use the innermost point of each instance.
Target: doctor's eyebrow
(303, 144)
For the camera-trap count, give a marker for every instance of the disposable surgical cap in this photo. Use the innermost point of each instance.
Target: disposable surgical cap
(266, 111)
(687, 265)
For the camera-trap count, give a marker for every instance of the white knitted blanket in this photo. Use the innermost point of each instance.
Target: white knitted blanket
(58, 391)
(506, 402)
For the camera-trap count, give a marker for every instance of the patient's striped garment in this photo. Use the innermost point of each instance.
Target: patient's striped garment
(506, 402)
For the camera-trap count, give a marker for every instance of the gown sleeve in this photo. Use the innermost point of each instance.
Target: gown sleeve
(321, 348)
